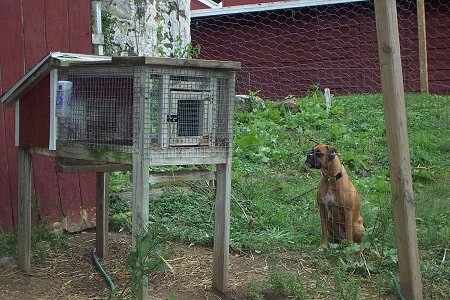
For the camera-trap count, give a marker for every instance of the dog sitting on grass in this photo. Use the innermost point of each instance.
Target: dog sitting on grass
(337, 197)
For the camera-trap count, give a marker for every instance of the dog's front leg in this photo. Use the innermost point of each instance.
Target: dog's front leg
(323, 223)
(349, 224)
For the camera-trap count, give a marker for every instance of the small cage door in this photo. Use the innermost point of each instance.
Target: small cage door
(190, 118)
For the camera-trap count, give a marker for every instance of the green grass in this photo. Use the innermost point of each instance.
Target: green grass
(273, 207)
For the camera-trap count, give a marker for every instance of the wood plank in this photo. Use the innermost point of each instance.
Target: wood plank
(81, 152)
(79, 34)
(101, 229)
(70, 201)
(34, 32)
(88, 191)
(46, 189)
(66, 165)
(12, 68)
(57, 26)
(158, 177)
(66, 194)
(24, 215)
(35, 116)
(175, 62)
(398, 148)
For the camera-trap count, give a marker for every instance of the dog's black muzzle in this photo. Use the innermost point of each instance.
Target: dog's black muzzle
(312, 161)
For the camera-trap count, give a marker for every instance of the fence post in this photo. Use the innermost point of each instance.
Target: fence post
(398, 147)
(422, 41)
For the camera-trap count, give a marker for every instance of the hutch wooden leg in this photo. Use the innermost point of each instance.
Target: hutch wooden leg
(24, 210)
(101, 215)
(140, 208)
(222, 228)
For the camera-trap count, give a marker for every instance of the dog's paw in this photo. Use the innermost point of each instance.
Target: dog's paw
(323, 245)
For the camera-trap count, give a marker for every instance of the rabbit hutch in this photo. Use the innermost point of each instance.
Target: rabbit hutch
(101, 114)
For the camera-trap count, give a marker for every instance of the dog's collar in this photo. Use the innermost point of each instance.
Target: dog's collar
(335, 177)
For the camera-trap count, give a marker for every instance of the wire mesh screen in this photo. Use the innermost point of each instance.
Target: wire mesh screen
(173, 115)
(286, 51)
(187, 113)
(101, 108)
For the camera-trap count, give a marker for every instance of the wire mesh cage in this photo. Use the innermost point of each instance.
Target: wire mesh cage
(174, 115)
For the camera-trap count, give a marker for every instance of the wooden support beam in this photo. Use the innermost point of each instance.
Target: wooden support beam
(398, 148)
(101, 215)
(222, 228)
(158, 177)
(69, 165)
(24, 210)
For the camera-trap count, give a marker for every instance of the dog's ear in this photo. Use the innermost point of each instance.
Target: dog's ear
(331, 153)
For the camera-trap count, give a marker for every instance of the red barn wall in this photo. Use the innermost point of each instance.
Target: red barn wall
(284, 52)
(198, 5)
(244, 2)
(48, 25)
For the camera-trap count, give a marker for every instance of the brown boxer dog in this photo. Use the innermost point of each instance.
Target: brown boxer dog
(337, 197)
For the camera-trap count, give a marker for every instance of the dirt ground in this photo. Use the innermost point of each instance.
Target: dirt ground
(71, 274)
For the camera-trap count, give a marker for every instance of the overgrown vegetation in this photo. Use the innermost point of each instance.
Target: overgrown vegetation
(273, 207)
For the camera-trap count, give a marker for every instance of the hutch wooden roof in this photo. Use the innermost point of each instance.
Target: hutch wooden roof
(57, 60)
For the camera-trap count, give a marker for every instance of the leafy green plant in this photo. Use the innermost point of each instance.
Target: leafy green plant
(119, 181)
(108, 22)
(44, 241)
(8, 244)
(146, 258)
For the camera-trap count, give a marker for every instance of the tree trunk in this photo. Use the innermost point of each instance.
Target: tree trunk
(158, 28)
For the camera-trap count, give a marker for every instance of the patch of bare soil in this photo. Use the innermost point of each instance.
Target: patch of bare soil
(71, 274)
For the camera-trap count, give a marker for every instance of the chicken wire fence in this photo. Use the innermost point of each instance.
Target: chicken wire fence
(168, 113)
(287, 51)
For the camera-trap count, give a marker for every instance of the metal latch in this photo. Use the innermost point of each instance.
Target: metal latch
(172, 118)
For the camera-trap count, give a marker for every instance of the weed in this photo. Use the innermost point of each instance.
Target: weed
(43, 242)
(288, 284)
(146, 258)
(255, 291)
(346, 289)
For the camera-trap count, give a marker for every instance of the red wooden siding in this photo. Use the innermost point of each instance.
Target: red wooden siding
(244, 2)
(284, 52)
(48, 25)
(35, 116)
(198, 5)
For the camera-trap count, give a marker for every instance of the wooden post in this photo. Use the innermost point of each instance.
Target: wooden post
(398, 147)
(222, 228)
(102, 197)
(24, 210)
(141, 173)
(98, 39)
(422, 40)
(101, 215)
